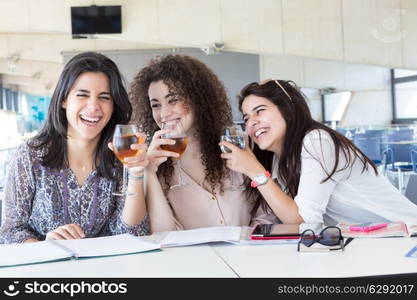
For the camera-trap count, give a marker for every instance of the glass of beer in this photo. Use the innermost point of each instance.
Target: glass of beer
(177, 134)
(124, 136)
(234, 135)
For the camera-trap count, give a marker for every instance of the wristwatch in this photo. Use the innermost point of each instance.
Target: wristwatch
(260, 179)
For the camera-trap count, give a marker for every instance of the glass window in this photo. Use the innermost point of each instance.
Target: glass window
(406, 99)
(1, 97)
(9, 99)
(336, 105)
(404, 73)
(15, 101)
(313, 101)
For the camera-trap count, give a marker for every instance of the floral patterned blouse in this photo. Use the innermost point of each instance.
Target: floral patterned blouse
(38, 200)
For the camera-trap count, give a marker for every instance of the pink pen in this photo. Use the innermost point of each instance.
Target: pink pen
(367, 228)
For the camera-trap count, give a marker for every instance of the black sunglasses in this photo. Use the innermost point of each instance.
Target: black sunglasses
(330, 236)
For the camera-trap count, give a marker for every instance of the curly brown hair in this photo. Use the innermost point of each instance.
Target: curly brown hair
(203, 93)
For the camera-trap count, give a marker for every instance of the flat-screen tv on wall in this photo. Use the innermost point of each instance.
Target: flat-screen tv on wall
(96, 19)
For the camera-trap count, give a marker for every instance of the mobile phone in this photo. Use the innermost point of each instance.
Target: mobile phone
(367, 226)
(275, 231)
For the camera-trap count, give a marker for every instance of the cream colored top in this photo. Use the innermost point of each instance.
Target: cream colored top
(195, 207)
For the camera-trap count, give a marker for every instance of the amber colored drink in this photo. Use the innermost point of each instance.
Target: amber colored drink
(179, 146)
(122, 146)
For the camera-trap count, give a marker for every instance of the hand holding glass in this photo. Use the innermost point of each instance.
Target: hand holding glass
(176, 133)
(125, 136)
(237, 137)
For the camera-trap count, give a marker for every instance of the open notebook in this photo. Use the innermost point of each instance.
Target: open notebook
(229, 234)
(54, 250)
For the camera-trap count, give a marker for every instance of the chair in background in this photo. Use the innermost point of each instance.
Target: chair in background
(350, 134)
(369, 143)
(400, 135)
(376, 132)
(414, 157)
(397, 153)
(342, 131)
(411, 190)
(397, 148)
(396, 158)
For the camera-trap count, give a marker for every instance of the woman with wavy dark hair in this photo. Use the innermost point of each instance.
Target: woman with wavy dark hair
(60, 182)
(321, 177)
(179, 87)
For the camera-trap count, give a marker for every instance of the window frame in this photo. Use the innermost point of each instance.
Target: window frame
(394, 82)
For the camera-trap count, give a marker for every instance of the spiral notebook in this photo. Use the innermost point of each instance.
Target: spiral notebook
(58, 250)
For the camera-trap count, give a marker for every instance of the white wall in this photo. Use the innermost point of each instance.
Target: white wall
(379, 32)
(382, 32)
(371, 99)
(235, 70)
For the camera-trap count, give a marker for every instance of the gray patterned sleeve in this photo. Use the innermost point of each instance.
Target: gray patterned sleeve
(20, 189)
(116, 224)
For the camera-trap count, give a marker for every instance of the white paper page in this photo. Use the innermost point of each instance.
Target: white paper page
(201, 235)
(28, 253)
(109, 245)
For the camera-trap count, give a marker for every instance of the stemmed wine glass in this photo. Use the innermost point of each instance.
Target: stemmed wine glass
(177, 134)
(235, 135)
(124, 136)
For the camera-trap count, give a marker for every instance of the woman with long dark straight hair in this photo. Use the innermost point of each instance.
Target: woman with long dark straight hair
(319, 175)
(60, 183)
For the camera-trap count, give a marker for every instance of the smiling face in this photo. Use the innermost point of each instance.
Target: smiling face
(264, 123)
(166, 106)
(89, 106)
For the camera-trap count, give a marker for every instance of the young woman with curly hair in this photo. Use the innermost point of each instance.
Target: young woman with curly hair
(321, 177)
(179, 87)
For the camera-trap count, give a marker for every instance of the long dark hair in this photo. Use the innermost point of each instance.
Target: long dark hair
(53, 134)
(292, 104)
(202, 92)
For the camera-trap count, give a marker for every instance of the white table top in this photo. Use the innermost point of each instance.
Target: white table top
(362, 257)
(193, 261)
